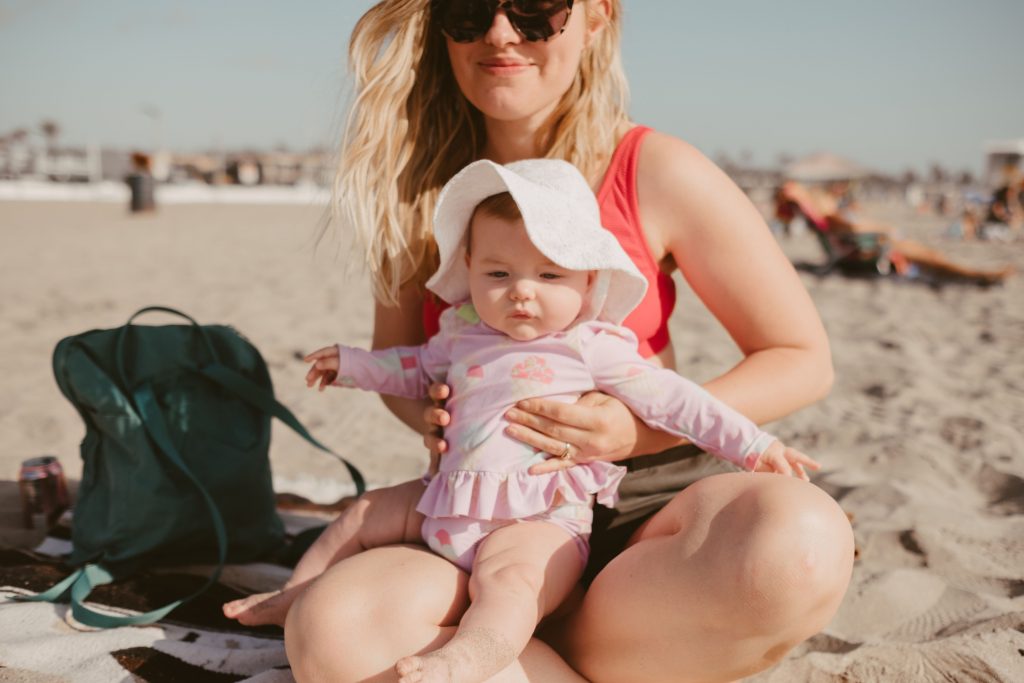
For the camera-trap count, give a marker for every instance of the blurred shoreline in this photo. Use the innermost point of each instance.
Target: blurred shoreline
(109, 191)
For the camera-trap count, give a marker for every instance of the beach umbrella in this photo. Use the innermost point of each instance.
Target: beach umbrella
(824, 167)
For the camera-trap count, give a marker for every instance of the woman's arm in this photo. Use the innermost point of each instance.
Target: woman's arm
(732, 262)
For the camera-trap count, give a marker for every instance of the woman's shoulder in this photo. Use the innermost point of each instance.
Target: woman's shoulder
(669, 160)
(675, 184)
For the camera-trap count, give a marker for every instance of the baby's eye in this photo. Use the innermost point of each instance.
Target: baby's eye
(551, 276)
(497, 274)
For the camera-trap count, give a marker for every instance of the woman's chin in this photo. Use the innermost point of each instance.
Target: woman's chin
(508, 106)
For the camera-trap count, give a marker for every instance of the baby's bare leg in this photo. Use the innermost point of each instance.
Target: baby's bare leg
(521, 573)
(380, 517)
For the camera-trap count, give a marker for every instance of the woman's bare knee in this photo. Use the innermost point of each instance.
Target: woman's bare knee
(795, 566)
(759, 561)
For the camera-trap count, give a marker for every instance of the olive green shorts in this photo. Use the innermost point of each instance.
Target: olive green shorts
(650, 483)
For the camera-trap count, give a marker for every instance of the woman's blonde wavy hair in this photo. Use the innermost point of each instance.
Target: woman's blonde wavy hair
(410, 130)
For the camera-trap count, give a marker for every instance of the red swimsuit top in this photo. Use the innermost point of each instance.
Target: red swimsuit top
(620, 214)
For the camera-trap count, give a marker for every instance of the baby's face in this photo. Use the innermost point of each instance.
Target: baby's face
(514, 287)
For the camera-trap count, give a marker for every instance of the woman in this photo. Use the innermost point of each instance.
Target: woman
(737, 568)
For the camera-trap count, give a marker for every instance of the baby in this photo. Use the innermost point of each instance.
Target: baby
(538, 289)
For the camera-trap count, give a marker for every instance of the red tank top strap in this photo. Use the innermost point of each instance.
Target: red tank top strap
(620, 214)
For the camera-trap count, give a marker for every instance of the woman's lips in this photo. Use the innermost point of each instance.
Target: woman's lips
(503, 67)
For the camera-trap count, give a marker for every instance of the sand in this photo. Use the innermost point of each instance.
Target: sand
(922, 438)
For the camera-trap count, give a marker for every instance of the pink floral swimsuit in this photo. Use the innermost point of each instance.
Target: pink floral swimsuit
(483, 483)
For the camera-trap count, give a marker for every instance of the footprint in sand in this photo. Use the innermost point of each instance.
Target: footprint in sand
(894, 549)
(880, 391)
(1014, 587)
(966, 433)
(881, 603)
(954, 611)
(829, 645)
(1005, 491)
(908, 539)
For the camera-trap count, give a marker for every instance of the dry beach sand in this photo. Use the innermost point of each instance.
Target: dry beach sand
(922, 439)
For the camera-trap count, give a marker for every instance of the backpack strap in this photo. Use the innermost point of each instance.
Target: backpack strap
(164, 309)
(81, 583)
(263, 400)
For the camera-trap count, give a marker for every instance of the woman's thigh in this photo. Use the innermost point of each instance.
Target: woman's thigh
(366, 612)
(370, 610)
(732, 573)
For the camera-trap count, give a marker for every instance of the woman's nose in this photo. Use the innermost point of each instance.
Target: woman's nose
(501, 31)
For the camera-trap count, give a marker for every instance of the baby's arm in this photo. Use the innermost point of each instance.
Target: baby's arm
(667, 401)
(406, 371)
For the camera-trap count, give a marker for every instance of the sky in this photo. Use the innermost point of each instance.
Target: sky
(892, 84)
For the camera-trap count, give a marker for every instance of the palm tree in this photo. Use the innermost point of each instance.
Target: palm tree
(51, 131)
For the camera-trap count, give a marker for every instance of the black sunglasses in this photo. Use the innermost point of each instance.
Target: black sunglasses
(467, 20)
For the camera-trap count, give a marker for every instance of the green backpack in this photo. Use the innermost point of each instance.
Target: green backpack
(175, 455)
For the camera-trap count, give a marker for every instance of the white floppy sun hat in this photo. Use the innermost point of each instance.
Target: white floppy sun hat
(561, 218)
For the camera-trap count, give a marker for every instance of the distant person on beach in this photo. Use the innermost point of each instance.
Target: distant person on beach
(538, 289)
(695, 574)
(140, 184)
(1006, 210)
(1001, 217)
(829, 208)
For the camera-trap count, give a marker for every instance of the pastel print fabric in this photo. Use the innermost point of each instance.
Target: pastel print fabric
(484, 474)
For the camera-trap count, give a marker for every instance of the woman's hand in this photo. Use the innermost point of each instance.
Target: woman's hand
(781, 459)
(597, 427)
(437, 418)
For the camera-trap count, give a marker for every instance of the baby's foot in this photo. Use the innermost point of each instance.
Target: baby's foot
(261, 608)
(431, 668)
(471, 656)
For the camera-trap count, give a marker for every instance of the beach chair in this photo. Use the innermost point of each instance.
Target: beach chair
(853, 253)
(863, 254)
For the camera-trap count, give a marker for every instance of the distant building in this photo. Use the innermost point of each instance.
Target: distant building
(20, 159)
(253, 168)
(1002, 157)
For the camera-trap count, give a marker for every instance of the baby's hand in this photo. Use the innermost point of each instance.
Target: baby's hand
(325, 367)
(784, 460)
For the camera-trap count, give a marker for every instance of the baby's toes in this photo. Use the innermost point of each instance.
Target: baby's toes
(236, 607)
(409, 669)
(256, 609)
(434, 668)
